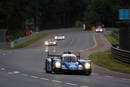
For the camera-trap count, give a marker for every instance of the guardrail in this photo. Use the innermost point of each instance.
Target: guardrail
(120, 54)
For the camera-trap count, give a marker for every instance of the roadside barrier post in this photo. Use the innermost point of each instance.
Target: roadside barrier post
(12, 44)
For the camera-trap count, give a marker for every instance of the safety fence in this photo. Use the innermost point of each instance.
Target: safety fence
(119, 54)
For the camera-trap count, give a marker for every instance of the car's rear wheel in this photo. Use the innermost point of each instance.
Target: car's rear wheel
(46, 68)
(56, 71)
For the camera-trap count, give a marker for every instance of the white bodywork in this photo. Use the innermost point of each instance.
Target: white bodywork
(59, 37)
(66, 55)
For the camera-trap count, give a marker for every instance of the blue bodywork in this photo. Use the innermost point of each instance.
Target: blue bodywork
(71, 65)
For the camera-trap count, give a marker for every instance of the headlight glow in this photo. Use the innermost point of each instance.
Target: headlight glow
(46, 43)
(101, 30)
(54, 42)
(55, 37)
(87, 65)
(57, 64)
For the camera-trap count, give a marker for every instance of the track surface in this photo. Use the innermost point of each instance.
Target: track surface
(24, 68)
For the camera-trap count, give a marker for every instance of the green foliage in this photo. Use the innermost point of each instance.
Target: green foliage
(29, 42)
(105, 59)
(78, 23)
(59, 13)
(104, 11)
(111, 39)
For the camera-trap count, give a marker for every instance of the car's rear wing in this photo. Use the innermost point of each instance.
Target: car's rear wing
(77, 54)
(53, 55)
(59, 56)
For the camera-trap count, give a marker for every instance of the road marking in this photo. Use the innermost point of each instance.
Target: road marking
(71, 84)
(10, 73)
(3, 54)
(84, 86)
(95, 74)
(57, 81)
(24, 74)
(109, 76)
(16, 72)
(126, 79)
(3, 69)
(44, 79)
(35, 77)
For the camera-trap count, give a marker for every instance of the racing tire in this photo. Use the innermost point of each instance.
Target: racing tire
(56, 71)
(46, 65)
(87, 72)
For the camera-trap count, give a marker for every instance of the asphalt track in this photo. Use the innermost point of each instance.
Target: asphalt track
(25, 67)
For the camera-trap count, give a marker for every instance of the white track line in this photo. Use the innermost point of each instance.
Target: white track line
(56, 81)
(35, 77)
(71, 84)
(3, 54)
(84, 86)
(16, 72)
(3, 69)
(126, 79)
(109, 76)
(10, 73)
(44, 79)
(24, 74)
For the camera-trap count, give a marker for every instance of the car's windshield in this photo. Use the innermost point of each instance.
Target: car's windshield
(69, 59)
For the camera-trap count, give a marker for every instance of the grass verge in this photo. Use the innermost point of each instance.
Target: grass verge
(111, 39)
(29, 42)
(104, 59)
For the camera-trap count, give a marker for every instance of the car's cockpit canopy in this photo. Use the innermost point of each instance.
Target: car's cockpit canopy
(69, 58)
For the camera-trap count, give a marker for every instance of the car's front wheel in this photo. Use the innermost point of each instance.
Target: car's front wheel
(87, 72)
(55, 70)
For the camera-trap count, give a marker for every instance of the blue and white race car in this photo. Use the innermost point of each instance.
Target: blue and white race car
(67, 62)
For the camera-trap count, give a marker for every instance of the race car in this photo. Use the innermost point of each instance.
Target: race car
(59, 37)
(67, 62)
(99, 30)
(50, 43)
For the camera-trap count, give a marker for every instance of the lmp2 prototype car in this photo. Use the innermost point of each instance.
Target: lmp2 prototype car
(67, 62)
(59, 37)
(50, 43)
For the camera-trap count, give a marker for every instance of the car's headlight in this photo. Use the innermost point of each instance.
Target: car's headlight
(54, 42)
(87, 65)
(55, 37)
(57, 64)
(101, 30)
(46, 43)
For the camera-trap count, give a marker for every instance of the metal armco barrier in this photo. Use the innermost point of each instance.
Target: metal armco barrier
(120, 54)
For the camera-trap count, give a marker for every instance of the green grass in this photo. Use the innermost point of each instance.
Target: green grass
(105, 59)
(29, 42)
(111, 39)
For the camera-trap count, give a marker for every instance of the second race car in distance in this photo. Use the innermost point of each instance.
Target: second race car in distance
(59, 37)
(67, 62)
(50, 43)
(99, 30)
